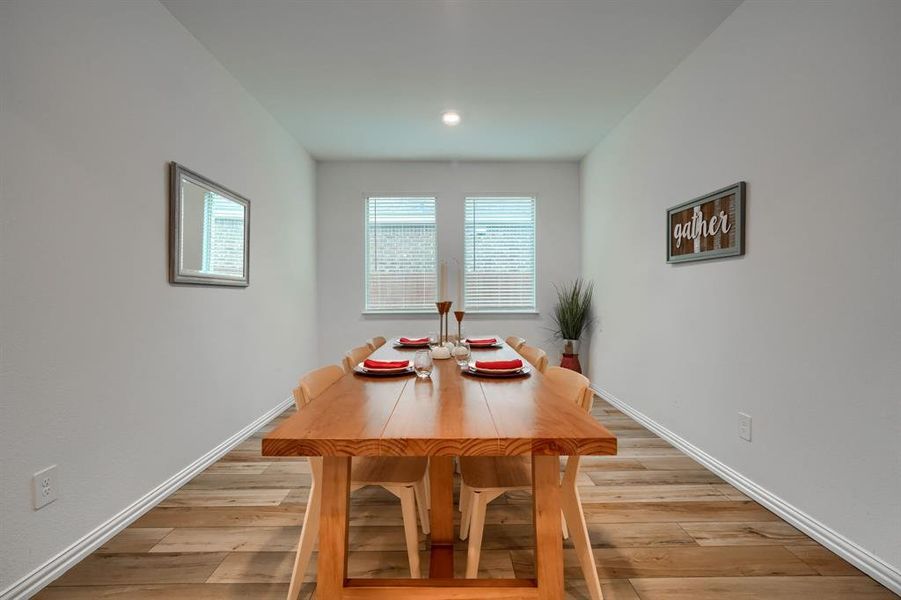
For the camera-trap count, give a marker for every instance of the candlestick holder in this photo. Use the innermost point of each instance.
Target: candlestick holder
(443, 309)
(458, 314)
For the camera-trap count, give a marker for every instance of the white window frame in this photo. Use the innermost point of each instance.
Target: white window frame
(532, 310)
(367, 310)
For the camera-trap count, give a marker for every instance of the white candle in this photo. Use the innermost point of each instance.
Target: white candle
(442, 281)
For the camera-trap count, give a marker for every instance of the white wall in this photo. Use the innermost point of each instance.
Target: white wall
(341, 187)
(107, 370)
(803, 101)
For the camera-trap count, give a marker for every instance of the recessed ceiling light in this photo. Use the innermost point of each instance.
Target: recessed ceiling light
(451, 118)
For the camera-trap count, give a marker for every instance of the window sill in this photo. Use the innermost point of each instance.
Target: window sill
(434, 313)
(399, 313)
(495, 313)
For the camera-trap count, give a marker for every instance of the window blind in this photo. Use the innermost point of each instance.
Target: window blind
(223, 236)
(499, 254)
(401, 254)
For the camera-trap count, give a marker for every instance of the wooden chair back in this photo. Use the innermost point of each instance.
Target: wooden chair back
(515, 342)
(571, 385)
(376, 342)
(536, 356)
(354, 356)
(314, 383)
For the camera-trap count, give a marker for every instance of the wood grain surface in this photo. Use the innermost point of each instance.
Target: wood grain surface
(449, 414)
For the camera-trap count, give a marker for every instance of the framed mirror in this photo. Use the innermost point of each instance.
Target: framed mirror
(209, 231)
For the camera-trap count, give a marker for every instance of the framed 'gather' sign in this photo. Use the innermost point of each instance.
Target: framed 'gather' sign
(712, 226)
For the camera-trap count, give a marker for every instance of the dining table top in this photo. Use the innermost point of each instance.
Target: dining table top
(451, 413)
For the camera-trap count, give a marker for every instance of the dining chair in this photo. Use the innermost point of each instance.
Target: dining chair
(404, 477)
(487, 478)
(515, 342)
(314, 383)
(376, 342)
(355, 356)
(536, 356)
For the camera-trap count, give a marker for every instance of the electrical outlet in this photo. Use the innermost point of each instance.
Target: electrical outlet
(43, 485)
(744, 426)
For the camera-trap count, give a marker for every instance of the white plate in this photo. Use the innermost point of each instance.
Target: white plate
(424, 344)
(495, 344)
(384, 369)
(473, 367)
(403, 368)
(393, 371)
(525, 370)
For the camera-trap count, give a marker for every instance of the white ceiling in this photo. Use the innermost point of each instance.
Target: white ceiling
(533, 79)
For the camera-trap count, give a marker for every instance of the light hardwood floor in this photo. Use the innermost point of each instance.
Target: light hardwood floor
(662, 528)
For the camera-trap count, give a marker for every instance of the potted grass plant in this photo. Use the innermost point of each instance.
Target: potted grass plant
(572, 317)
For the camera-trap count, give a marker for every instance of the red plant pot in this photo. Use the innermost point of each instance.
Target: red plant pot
(571, 362)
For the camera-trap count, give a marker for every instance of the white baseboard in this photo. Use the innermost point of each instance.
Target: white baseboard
(35, 581)
(867, 562)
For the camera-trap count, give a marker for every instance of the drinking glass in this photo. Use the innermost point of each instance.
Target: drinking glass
(422, 363)
(462, 353)
(433, 339)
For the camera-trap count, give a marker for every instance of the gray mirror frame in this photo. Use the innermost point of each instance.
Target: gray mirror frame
(176, 173)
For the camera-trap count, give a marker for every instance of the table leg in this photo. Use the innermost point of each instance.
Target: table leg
(333, 527)
(548, 536)
(441, 482)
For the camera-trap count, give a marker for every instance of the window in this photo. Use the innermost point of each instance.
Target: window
(401, 254)
(223, 236)
(499, 254)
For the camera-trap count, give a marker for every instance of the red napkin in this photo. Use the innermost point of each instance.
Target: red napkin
(499, 364)
(482, 342)
(386, 364)
(405, 340)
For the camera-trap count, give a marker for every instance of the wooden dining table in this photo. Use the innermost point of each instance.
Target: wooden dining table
(446, 415)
